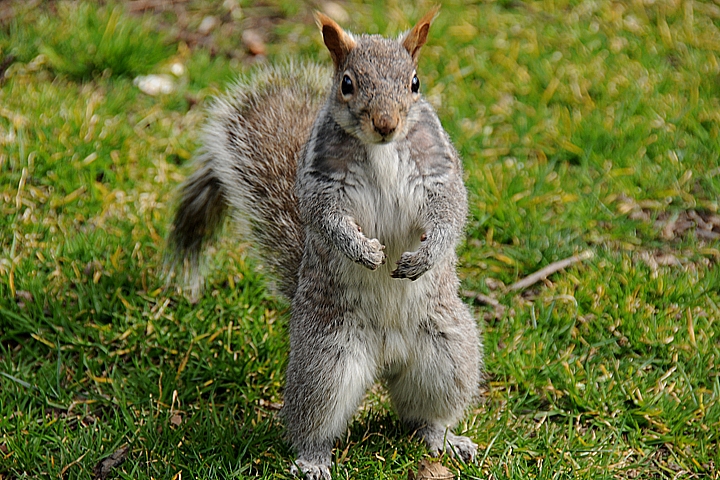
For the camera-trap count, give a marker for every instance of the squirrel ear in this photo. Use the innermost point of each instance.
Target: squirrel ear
(416, 38)
(336, 40)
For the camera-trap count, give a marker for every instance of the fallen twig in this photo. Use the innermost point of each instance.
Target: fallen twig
(74, 462)
(543, 273)
(481, 298)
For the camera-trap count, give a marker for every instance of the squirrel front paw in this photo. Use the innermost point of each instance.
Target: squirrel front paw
(374, 254)
(412, 265)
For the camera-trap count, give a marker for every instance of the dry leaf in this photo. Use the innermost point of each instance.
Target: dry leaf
(428, 469)
(176, 420)
(103, 468)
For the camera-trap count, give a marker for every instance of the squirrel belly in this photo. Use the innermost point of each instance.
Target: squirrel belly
(384, 190)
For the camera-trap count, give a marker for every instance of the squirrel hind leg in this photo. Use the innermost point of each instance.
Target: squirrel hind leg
(200, 213)
(430, 396)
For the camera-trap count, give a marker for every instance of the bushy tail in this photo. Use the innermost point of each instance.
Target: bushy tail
(246, 167)
(198, 218)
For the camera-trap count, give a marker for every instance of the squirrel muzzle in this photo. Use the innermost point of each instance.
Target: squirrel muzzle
(385, 125)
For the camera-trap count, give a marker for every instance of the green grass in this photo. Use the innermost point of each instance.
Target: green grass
(81, 40)
(583, 126)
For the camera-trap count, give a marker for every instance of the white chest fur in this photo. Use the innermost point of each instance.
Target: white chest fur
(388, 200)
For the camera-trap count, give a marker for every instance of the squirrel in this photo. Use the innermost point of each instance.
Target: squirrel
(352, 194)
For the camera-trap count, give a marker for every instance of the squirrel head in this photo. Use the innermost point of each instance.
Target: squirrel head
(375, 84)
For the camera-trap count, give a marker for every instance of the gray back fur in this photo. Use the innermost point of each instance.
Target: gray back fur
(248, 161)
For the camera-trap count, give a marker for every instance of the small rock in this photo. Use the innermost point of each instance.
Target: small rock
(154, 84)
(233, 7)
(177, 69)
(335, 11)
(208, 24)
(254, 42)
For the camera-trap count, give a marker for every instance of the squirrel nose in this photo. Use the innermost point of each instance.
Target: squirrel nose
(385, 124)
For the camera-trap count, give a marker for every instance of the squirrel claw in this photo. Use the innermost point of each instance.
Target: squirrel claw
(309, 470)
(375, 256)
(396, 274)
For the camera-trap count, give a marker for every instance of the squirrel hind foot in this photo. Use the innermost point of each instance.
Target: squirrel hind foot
(439, 441)
(310, 470)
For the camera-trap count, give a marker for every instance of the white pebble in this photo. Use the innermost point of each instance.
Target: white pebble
(177, 69)
(154, 84)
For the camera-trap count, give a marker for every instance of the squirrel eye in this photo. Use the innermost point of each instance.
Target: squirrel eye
(346, 87)
(415, 85)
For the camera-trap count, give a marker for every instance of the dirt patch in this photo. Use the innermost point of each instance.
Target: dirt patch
(704, 225)
(671, 225)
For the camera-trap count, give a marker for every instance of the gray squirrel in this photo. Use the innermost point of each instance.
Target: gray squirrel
(352, 195)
